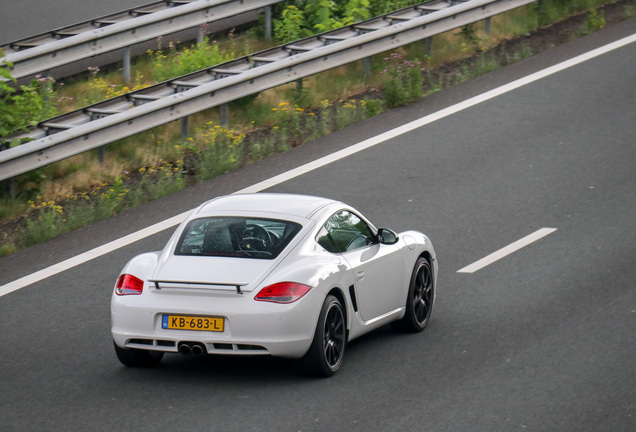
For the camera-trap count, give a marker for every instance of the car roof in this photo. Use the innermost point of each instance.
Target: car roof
(303, 206)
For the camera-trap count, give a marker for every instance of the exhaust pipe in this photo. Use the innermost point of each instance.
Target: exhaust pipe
(184, 348)
(197, 349)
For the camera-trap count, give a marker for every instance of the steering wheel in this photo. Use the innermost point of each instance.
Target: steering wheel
(256, 239)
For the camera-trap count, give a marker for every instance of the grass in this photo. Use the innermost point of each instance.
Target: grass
(77, 191)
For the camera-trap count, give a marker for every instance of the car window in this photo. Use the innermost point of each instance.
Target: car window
(236, 237)
(343, 232)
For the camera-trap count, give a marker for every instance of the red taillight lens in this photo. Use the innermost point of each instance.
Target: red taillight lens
(282, 292)
(129, 285)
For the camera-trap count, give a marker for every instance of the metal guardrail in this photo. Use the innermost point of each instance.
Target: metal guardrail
(117, 118)
(69, 44)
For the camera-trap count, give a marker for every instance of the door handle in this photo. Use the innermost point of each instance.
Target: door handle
(359, 275)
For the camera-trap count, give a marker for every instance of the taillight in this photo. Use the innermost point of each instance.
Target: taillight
(129, 285)
(282, 292)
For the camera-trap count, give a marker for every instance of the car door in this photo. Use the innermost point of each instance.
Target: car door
(376, 267)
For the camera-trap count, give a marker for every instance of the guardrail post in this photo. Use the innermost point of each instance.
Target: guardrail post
(100, 155)
(184, 128)
(11, 189)
(225, 114)
(268, 23)
(367, 67)
(200, 35)
(299, 88)
(126, 62)
(487, 25)
(429, 46)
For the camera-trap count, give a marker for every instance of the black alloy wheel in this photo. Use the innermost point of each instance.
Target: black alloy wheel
(421, 297)
(324, 357)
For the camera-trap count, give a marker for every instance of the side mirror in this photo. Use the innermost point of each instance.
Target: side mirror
(387, 236)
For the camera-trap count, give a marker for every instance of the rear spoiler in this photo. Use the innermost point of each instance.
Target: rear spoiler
(222, 286)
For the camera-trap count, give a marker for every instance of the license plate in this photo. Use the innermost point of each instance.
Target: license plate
(181, 322)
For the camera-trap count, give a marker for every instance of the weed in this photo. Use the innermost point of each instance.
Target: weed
(325, 116)
(486, 63)
(10, 207)
(263, 148)
(7, 248)
(26, 106)
(373, 107)
(469, 34)
(349, 112)
(313, 125)
(48, 224)
(180, 61)
(595, 21)
(160, 181)
(220, 150)
(434, 83)
(403, 80)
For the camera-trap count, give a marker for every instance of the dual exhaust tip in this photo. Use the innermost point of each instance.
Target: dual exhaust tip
(194, 348)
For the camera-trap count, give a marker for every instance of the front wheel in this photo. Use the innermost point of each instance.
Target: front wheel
(419, 303)
(138, 357)
(325, 354)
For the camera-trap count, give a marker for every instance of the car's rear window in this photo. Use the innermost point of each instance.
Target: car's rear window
(240, 237)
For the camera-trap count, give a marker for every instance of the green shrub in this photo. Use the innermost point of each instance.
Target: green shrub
(219, 150)
(290, 26)
(373, 107)
(26, 106)
(403, 80)
(595, 21)
(176, 62)
(49, 223)
(302, 18)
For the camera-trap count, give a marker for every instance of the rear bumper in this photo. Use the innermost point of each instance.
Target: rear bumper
(249, 327)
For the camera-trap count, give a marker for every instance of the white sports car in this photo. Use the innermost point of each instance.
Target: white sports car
(272, 274)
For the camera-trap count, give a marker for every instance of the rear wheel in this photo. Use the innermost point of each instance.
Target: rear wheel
(137, 357)
(419, 303)
(325, 354)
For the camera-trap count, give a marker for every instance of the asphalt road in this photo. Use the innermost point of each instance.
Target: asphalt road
(543, 339)
(18, 20)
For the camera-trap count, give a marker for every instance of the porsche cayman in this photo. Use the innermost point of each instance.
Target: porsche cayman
(272, 274)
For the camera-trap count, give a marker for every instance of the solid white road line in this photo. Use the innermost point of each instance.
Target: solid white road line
(504, 252)
(146, 232)
(91, 254)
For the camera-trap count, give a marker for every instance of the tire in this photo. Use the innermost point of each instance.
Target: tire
(138, 357)
(421, 296)
(326, 352)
